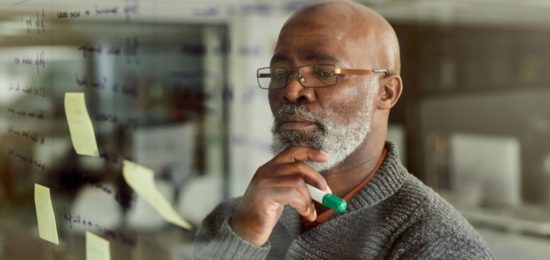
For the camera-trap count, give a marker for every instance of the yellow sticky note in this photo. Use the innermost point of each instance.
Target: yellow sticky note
(97, 248)
(47, 229)
(80, 125)
(142, 181)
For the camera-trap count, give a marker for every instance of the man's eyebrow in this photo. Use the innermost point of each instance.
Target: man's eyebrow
(278, 58)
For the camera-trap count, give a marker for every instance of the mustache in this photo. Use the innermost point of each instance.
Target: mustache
(288, 110)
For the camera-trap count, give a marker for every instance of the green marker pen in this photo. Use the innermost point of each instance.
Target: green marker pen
(327, 199)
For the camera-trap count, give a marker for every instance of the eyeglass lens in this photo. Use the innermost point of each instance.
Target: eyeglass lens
(308, 76)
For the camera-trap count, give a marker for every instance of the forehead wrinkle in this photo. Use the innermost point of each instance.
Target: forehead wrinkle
(322, 57)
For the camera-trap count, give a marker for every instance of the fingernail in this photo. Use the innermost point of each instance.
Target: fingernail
(329, 190)
(324, 155)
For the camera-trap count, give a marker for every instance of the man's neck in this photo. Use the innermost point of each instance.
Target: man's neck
(355, 168)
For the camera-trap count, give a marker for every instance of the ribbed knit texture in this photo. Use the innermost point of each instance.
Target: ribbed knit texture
(394, 216)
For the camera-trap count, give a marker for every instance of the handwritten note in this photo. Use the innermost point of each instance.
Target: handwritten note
(47, 228)
(80, 125)
(27, 159)
(28, 90)
(35, 138)
(127, 10)
(262, 9)
(97, 248)
(112, 235)
(39, 61)
(39, 115)
(129, 88)
(129, 50)
(36, 22)
(142, 181)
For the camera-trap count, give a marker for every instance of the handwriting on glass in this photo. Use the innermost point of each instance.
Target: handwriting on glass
(248, 9)
(108, 233)
(40, 115)
(94, 183)
(35, 23)
(39, 61)
(35, 138)
(127, 89)
(28, 90)
(26, 159)
(129, 50)
(113, 119)
(127, 10)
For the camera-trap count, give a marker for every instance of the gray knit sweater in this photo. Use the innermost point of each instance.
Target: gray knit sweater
(394, 216)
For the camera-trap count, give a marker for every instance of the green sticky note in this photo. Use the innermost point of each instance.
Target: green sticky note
(80, 125)
(142, 181)
(47, 229)
(97, 248)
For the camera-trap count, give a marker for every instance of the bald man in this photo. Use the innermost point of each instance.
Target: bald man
(332, 81)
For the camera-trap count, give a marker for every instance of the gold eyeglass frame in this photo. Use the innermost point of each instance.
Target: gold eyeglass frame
(337, 71)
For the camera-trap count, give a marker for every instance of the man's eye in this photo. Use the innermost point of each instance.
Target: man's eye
(278, 75)
(324, 73)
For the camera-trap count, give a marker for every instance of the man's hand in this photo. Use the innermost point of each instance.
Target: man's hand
(279, 182)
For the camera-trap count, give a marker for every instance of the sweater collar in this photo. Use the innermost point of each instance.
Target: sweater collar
(388, 179)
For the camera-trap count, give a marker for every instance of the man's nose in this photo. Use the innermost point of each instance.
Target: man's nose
(295, 92)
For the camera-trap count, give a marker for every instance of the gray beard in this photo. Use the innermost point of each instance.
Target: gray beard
(339, 141)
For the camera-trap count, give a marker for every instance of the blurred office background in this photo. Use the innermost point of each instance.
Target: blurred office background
(171, 85)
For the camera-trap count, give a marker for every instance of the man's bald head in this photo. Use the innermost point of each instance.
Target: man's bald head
(353, 22)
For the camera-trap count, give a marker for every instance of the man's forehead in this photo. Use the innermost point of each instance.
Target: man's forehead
(323, 33)
(308, 55)
(331, 18)
(333, 47)
(314, 29)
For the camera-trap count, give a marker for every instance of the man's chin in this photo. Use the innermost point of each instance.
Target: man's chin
(306, 128)
(303, 137)
(303, 132)
(279, 145)
(302, 143)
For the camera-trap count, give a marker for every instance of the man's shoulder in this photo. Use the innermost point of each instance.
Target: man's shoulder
(426, 205)
(428, 202)
(435, 223)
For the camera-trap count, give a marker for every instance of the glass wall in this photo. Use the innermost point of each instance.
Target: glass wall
(171, 86)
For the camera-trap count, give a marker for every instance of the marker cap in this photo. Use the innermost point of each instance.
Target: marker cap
(335, 203)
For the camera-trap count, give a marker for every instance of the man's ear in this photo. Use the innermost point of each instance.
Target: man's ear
(390, 91)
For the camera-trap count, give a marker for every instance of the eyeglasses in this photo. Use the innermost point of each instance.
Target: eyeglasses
(312, 76)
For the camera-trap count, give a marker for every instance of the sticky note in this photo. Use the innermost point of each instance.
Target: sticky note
(47, 229)
(97, 248)
(142, 181)
(80, 125)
